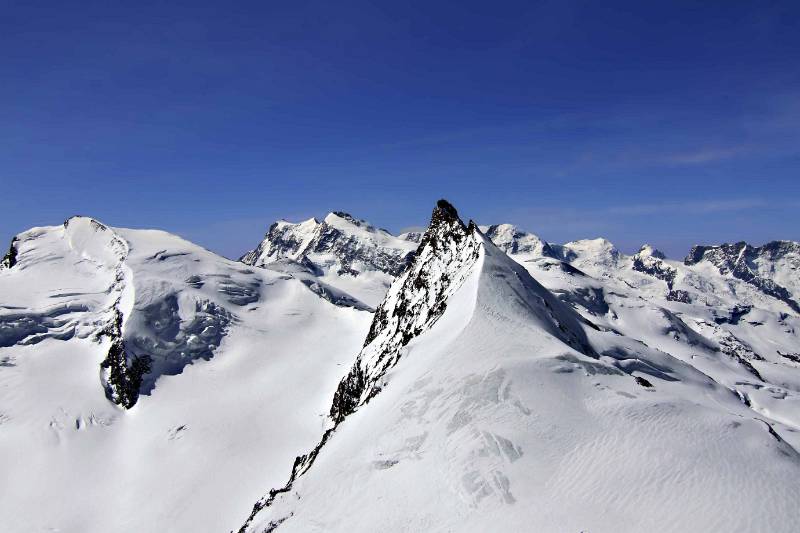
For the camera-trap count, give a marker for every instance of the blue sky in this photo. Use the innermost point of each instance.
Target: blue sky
(673, 123)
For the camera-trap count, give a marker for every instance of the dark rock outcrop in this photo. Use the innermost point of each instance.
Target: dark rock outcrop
(739, 260)
(10, 259)
(650, 261)
(414, 303)
(123, 377)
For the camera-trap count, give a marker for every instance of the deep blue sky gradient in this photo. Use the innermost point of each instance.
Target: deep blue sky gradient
(669, 122)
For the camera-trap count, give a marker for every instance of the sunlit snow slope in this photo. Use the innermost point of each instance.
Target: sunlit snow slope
(240, 365)
(339, 378)
(481, 402)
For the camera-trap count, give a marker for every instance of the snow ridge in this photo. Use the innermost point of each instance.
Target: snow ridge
(447, 253)
(121, 371)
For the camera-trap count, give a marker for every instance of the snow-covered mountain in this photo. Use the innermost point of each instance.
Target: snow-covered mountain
(147, 384)
(341, 251)
(773, 268)
(512, 240)
(481, 402)
(501, 383)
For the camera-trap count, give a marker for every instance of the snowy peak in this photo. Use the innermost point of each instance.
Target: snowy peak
(152, 301)
(452, 261)
(511, 240)
(648, 250)
(650, 261)
(728, 254)
(350, 246)
(283, 240)
(448, 250)
(601, 249)
(415, 301)
(85, 237)
(340, 244)
(449, 254)
(594, 256)
(411, 236)
(772, 268)
(508, 290)
(78, 285)
(347, 255)
(95, 241)
(346, 222)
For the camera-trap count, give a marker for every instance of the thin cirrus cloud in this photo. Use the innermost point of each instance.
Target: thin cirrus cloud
(706, 155)
(696, 207)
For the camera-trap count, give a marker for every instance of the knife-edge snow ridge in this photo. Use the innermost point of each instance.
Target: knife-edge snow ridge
(449, 253)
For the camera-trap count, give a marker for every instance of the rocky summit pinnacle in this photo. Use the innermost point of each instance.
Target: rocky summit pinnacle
(414, 302)
(416, 299)
(446, 209)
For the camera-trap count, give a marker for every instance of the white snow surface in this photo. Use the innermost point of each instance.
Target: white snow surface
(196, 451)
(560, 388)
(490, 421)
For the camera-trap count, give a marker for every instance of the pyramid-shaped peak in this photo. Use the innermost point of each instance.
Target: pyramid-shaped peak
(512, 240)
(445, 224)
(415, 301)
(648, 250)
(444, 212)
(338, 216)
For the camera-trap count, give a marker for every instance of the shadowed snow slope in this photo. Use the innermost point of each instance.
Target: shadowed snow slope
(258, 354)
(505, 413)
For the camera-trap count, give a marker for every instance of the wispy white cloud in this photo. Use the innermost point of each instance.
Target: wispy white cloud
(706, 155)
(691, 207)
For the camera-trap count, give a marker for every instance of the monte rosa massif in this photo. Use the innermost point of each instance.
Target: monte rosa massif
(341, 378)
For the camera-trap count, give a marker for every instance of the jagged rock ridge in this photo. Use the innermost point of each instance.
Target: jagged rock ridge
(340, 242)
(651, 261)
(343, 253)
(650, 346)
(444, 417)
(753, 265)
(447, 252)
